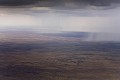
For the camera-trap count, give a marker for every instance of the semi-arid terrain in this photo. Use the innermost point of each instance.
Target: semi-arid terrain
(61, 58)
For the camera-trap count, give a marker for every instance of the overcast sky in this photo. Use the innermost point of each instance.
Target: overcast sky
(90, 16)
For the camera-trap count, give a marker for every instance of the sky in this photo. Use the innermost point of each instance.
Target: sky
(56, 16)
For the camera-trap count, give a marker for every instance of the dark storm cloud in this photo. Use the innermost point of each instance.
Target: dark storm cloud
(52, 3)
(16, 2)
(97, 2)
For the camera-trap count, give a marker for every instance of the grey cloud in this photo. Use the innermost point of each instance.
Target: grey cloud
(58, 3)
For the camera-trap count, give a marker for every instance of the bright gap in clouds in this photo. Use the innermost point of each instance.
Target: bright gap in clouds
(40, 23)
(14, 20)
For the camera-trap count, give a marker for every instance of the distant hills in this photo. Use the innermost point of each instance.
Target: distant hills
(69, 34)
(29, 36)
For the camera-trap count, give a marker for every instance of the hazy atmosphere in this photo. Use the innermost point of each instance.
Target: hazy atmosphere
(63, 15)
